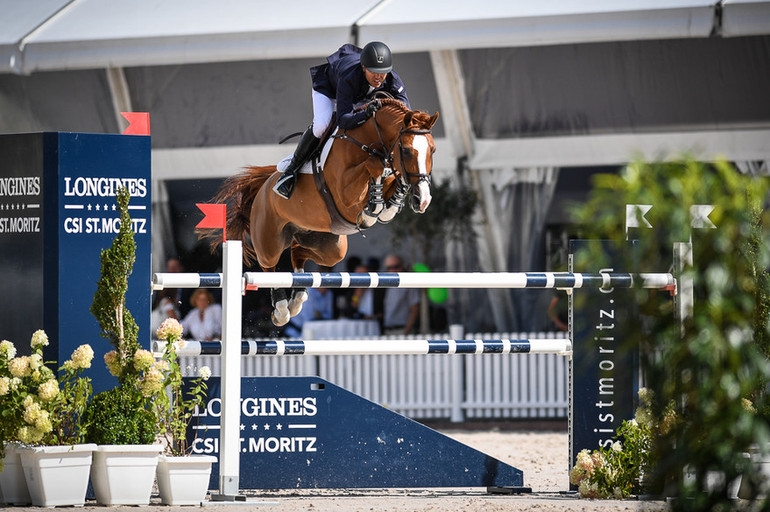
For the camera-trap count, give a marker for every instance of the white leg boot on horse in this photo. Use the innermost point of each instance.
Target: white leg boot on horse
(298, 296)
(307, 144)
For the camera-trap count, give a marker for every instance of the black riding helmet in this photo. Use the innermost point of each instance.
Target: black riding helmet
(376, 57)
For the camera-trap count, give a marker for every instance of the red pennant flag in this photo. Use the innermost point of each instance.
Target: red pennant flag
(215, 217)
(139, 123)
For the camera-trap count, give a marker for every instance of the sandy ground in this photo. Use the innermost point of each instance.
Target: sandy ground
(541, 455)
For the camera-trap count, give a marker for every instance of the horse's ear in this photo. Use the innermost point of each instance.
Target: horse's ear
(432, 120)
(408, 118)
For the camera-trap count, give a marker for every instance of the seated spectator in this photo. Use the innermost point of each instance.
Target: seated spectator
(204, 321)
(164, 307)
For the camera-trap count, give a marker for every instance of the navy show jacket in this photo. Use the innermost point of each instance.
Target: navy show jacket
(342, 78)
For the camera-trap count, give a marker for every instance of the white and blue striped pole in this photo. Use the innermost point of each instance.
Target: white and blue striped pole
(559, 280)
(278, 347)
(564, 280)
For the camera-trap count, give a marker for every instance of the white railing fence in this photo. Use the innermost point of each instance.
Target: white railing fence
(423, 387)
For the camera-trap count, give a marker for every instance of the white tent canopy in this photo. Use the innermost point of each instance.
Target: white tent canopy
(79, 34)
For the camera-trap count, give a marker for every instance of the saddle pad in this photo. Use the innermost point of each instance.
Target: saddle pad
(307, 167)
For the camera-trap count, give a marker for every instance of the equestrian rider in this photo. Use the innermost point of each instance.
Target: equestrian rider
(350, 76)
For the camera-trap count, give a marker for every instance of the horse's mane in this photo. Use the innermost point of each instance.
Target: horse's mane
(395, 104)
(399, 108)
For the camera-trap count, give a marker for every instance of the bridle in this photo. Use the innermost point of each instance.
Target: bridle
(387, 157)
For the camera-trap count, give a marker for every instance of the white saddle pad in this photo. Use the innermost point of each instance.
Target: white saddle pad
(307, 167)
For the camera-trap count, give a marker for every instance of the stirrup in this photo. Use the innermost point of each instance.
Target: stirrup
(284, 187)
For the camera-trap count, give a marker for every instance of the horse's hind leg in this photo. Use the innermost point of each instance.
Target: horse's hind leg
(298, 295)
(325, 249)
(281, 315)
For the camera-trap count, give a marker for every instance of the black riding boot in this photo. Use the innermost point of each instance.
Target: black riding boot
(307, 143)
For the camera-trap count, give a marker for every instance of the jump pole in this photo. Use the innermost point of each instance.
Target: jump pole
(359, 347)
(544, 280)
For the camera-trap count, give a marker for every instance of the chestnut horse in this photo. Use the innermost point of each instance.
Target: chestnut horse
(394, 138)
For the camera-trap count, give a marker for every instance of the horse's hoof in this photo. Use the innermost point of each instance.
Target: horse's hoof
(281, 314)
(280, 319)
(296, 302)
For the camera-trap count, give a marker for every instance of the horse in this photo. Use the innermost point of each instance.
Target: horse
(368, 173)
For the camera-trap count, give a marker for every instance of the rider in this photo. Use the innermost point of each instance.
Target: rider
(350, 76)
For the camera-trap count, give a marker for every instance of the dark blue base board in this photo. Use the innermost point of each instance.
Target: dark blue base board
(307, 433)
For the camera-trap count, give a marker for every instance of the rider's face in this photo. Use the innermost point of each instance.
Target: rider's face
(374, 79)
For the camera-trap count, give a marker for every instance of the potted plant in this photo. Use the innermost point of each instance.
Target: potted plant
(120, 420)
(182, 478)
(42, 413)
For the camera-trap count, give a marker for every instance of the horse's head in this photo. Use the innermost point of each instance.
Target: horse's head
(411, 148)
(415, 156)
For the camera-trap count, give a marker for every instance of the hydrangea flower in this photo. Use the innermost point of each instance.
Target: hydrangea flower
(113, 365)
(204, 373)
(39, 339)
(7, 350)
(19, 366)
(143, 360)
(5, 385)
(169, 330)
(48, 390)
(82, 356)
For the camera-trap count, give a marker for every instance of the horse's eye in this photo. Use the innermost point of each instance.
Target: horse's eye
(406, 154)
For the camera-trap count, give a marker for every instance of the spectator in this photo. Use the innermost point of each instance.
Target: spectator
(558, 311)
(204, 321)
(363, 299)
(402, 305)
(183, 295)
(164, 307)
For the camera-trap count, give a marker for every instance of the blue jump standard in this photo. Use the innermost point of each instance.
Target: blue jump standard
(307, 433)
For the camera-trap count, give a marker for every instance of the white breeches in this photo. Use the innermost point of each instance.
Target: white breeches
(323, 108)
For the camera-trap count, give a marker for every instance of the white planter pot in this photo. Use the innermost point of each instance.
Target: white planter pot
(57, 475)
(184, 480)
(123, 474)
(12, 481)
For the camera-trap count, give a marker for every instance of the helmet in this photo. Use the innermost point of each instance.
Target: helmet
(376, 57)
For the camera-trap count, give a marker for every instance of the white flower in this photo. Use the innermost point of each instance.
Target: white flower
(112, 362)
(617, 447)
(143, 360)
(7, 349)
(39, 339)
(48, 390)
(5, 385)
(35, 361)
(169, 330)
(82, 356)
(19, 366)
(204, 373)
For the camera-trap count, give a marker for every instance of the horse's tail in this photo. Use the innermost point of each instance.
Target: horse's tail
(238, 193)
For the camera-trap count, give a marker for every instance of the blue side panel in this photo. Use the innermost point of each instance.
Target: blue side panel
(304, 433)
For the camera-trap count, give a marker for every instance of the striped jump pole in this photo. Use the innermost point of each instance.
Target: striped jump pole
(559, 346)
(559, 280)
(186, 280)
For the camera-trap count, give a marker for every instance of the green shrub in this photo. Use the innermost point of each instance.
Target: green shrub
(118, 416)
